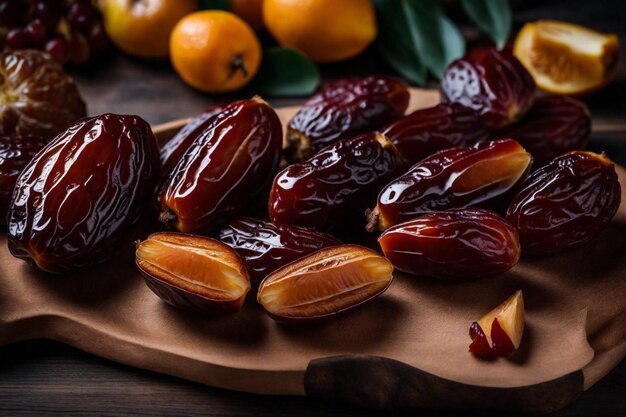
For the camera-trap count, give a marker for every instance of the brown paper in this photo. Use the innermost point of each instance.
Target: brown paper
(571, 298)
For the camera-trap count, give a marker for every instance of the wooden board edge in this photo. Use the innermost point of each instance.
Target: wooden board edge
(373, 382)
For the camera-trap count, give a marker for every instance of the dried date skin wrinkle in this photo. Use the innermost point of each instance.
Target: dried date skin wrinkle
(79, 198)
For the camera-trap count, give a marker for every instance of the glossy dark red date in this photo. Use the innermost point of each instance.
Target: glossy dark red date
(332, 189)
(77, 200)
(227, 168)
(267, 247)
(343, 109)
(566, 202)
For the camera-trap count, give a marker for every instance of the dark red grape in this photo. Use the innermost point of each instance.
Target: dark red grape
(12, 12)
(36, 32)
(79, 49)
(81, 16)
(98, 39)
(16, 39)
(48, 12)
(58, 49)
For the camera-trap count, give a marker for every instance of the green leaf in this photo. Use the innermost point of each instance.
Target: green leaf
(493, 17)
(394, 42)
(214, 4)
(286, 72)
(437, 40)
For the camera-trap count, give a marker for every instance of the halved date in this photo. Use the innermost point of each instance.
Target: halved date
(266, 246)
(226, 168)
(325, 283)
(331, 190)
(566, 202)
(343, 109)
(553, 126)
(193, 272)
(426, 131)
(16, 151)
(463, 243)
(453, 178)
(174, 149)
(77, 199)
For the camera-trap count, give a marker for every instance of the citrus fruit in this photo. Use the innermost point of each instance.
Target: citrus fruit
(215, 51)
(142, 27)
(249, 10)
(325, 30)
(565, 58)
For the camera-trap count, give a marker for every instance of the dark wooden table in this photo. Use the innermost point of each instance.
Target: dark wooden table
(44, 377)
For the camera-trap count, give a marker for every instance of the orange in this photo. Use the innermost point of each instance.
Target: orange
(325, 30)
(142, 27)
(215, 51)
(249, 10)
(565, 58)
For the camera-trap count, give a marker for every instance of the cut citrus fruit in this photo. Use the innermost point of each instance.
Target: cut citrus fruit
(565, 58)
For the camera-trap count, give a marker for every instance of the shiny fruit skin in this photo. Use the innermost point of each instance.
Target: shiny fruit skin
(37, 97)
(333, 188)
(426, 131)
(249, 10)
(343, 109)
(324, 284)
(491, 82)
(226, 168)
(15, 153)
(215, 51)
(452, 178)
(324, 30)
(165, 274)
(143, 28)
(266, 246)
(78, 199)
(463, 243)
(553, 126)
(174, 149)
(565, 203)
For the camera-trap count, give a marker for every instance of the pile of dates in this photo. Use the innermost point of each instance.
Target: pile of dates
(456, 191)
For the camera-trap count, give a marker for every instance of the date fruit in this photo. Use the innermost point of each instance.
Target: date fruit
(193, 272)
(77, 200)
(331, 190)
(174, 149)
(491, 82)
(553, 126)
(463, 243)
(453, 178)
(266, 246)
(343, 109)
(499, 332)
(325, 283)
(226, 168)
(426, 131)
(16, 151)
(566, 202)
(36, 95)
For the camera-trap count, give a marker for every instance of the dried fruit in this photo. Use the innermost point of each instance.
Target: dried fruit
(493, 83)
(499, 332)
(15, 152)
(565, 58)
(343, 109)
(553, 126)
(266, 246)
(76, 201)
(331, 190)
(327, 282)
(193, 272)
(454, 178)
(463, 243)
(426, 131)
(226, 168)
(175, 148)
(36, 95)
(566, 202)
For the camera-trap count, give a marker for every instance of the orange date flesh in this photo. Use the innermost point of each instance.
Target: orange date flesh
(325, 283)
(193, 272)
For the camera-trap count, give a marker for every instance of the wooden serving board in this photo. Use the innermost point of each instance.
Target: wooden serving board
(406, 349)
